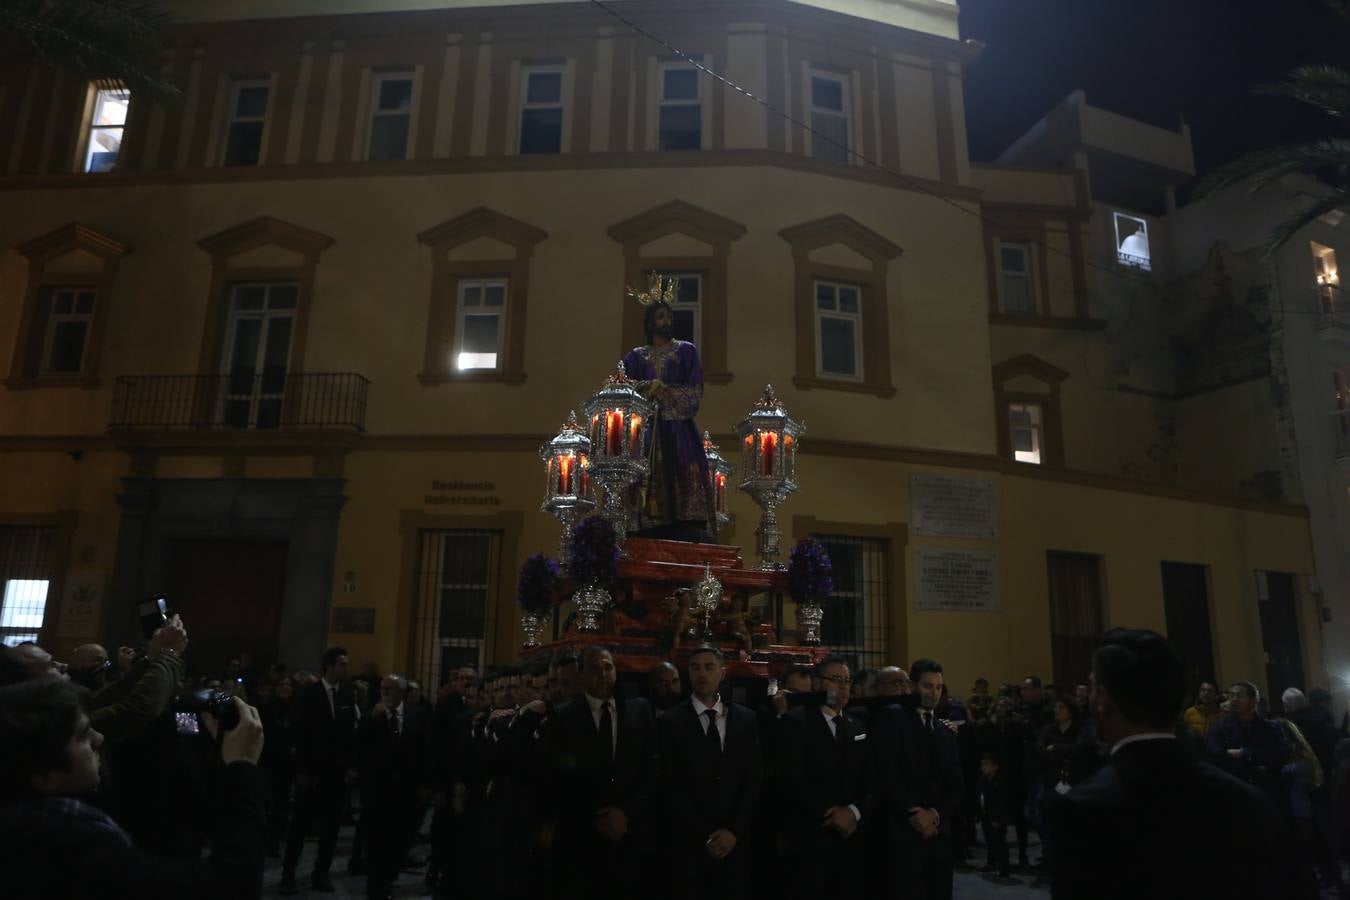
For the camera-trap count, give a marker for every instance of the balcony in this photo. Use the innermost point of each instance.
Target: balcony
(249, 403)
(1340, 437)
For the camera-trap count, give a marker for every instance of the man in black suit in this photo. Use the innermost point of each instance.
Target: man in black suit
(395, 742)
(1248, 746)
(920, 786)
(600, 758)
(1148, 823)
(325, 746)
(711, 769)
(826, 790)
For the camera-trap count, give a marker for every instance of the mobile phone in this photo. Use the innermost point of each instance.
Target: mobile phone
(187, 723)
(154, 614)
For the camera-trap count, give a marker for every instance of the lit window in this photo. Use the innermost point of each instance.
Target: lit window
(70, 316)
(829, 117)
(681, 113)
(1132, 242)
(22, 608)
(1026, 432)
(838, 330)
(687, 305)
(1328, 278)
(1019, 297)
(244, 126)
(480, 321)
(106, 126)
(541, 111)
(390, 115)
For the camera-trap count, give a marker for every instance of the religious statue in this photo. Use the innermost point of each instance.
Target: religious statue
(676, 502)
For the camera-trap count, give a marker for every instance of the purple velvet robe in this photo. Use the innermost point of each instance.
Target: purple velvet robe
(678, 488)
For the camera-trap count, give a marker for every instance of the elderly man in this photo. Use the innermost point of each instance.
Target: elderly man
(395, 744)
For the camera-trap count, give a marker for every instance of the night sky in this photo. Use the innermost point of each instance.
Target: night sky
(1154, 60)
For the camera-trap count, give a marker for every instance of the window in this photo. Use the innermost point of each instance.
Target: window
(1026, 432)
(458, 581)
(25, 576)
(541, 111)
(688, 322)
(855, 615)
(838, 330)
(106, 125)
(68, 326)
(829, 117)
(258, 353)
(480, 324)
(1019, 297)
(244, 127)
(1328, 279)
(681, 114)
(1132, 242)
(390, 115)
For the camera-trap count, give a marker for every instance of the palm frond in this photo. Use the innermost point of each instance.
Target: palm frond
(1261, 167)
(1326, 87)
(1281, 233)
(101, 39)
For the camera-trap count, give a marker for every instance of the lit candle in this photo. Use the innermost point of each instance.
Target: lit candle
(768, 445)
(585, 490)
(721, 492)
(565, 474)
(613, 433)
(634, 426)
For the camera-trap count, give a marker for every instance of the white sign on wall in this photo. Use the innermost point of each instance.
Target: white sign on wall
(956, 580)
(1132, 242)
(952, 507)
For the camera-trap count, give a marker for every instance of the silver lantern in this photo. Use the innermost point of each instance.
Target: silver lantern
(719, 478)
(769, 438)
(568, 493)
(619, 418)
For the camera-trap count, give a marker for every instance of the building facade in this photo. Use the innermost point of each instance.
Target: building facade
(286, 351)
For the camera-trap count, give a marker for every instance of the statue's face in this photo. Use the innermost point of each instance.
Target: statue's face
(664, 321)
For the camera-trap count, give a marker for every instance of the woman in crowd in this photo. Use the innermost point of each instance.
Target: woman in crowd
(278, 758)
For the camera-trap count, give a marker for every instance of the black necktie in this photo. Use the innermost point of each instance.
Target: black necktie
(393, 722)
(606, 733)
(839, 729)
(928, 721)
(332, 699)
(714, 740)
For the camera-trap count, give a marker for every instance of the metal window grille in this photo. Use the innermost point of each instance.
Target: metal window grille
(459, 573)
(855, 625)
(25, 575)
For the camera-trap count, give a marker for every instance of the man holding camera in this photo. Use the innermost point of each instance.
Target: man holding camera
(52, 844)
(120, 708)
(326, 720)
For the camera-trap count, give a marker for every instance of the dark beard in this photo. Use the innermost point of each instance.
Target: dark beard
(666, 331)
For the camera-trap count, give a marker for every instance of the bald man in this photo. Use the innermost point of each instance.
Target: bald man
(89, 667)
(663, 683)
(123, 707)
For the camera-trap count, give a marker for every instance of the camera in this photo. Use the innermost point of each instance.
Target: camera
(217, 703)
(154, 614)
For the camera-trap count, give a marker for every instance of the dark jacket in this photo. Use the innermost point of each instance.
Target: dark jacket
(1264, 748)
(1137, 828)
(915, 767)
(582, 782)
(63, 849)
(704, 793)
(138, 698)
(992, 802)
(1069, 755)
(325, 741)
(821, 770)
(394, 768)
(1319, 730)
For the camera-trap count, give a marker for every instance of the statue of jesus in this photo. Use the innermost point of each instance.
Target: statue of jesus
(677, 503)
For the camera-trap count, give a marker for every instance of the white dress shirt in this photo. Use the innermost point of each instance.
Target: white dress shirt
(595, 704)
(700, 707)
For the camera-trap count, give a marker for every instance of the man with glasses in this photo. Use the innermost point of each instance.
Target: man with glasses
(825, 788)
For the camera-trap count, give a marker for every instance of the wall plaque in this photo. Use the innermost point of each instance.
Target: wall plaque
(952, 507)
(78, 616)
(354, 619)
(956, 580)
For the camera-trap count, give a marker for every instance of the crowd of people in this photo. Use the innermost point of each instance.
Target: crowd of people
(122, 776)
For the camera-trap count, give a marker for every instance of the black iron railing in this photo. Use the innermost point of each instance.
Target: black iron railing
(1332, 306)
(241, 400)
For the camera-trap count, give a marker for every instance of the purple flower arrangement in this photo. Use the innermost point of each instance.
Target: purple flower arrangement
(595, 552)
(810, 572)
(537, 589)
